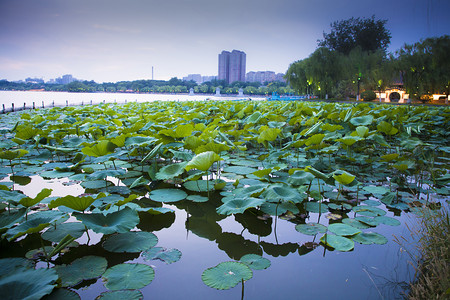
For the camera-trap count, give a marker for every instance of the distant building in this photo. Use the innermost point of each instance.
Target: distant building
(232, 66)
(34, 80)
(264, 76)
(66, 79)
(194, 77)
(208, 78)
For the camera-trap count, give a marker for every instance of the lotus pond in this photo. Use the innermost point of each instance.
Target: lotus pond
(206, 199)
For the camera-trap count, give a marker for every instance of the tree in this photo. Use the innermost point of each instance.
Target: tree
(425, 67)
(296, 76)
(346, 35)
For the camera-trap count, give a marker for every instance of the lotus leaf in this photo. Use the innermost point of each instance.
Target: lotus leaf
(254, 118)
(362, 120)
(28, 202)
(102, 174)
(369, 211)
(166, 255)
(75, 229)
(311, 228)
(8, 219)
(386, 128)
(27, 227)
(76, 203)
(343, 229)
(141, 181)
(238, 205)
(28, 284)
(153, 153)
(316, 207)
(368, 238)
(240, 170)
(134, 241)
(255, 262)
(343, 177)
(300, 177)
(140, 141)
(282, 193)
(387, 221)
(226, 275)
(102, 148)
(84, 268)
(121, 294)
(128, 276)
(362, 131)
(376, 190)
(315, 139)
(10, 265)
(337, 242)
(199, 185)
(367, 220)
(197, 198)
(277, 209)
(355, 223)
(121, 221)
(203, 161)
(167, 195)
(56, 174)
(171, 171)
(268, 134)
(12, 154)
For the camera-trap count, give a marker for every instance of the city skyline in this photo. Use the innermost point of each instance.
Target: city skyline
(117, 40)
(232, 66)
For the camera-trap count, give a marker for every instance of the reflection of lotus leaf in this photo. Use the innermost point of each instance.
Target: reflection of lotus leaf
(226, 275)
(128, 276)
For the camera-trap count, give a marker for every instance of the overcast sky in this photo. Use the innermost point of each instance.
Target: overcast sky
(114, 40)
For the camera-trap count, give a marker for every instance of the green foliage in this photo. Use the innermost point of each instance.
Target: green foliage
(368, 95)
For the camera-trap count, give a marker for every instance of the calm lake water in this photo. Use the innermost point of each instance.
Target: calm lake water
(19, 98)
(367, 272)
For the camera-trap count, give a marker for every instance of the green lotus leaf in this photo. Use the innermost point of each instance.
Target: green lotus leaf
(28, 202)
(121, 221)
(255, 261)
(56, 174)
(152, 153)
(337, 242)
(133, 241)
(197, 198)
(343, 229)
(28, 284)
(62, 293)
(368, 211)
(355, 223)
(84, 268)
(269, 134)
(386, 128)
(14, 264)
(75, 229)
(263, 172)
(203, 161)
(96, 184)
(128, 276)
(376, 190)
(277, 209)
(349, 140)
(181, 155)
(362, 131)
(8, 219)
(27, 227)
(75, 203)
(343, 177)
(11, 196)
(282, 193)
(102, 148)
(316, 207)
(199, 185)
(367, 220)
(315, 139)
(238, 205)
(226, 275)
(12, 154)
(140, 141)
(387, 221)
(368, 238)
(167, 195)
(102, 174)
(171, 171)
(180, 131)
(311, 228)
(241, 170)
(252, 190)
(318, 174)
(362, 121)
(166, 255)
(254, 118)
(300, 177)
(120, 295)
(213, 146)
(141, 181)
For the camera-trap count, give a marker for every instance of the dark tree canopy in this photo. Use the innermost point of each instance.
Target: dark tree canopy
(368, 34)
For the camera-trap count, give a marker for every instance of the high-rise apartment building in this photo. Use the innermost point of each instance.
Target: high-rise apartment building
(232, 66)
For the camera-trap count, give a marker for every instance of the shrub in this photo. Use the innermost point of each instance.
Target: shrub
(368, 95)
